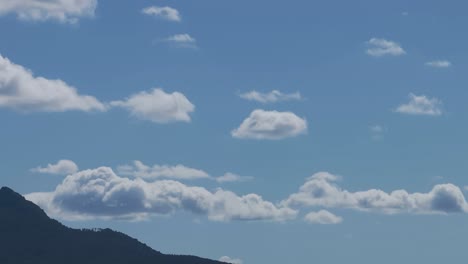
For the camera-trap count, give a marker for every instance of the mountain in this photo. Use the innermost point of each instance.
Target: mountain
(29, 236)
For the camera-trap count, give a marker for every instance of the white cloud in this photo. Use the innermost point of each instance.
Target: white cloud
(380, 47)
(165, 12)
(321, 190)
(232, 177)
(180, 172)
(439, 64)
(421, 105)
(21, 91)
(271, 97)
(100, 193)
(230, 260)
(323, 217)
(263, 124)
(182, 41)
(65, 11)
(158, 106)
(62, 167)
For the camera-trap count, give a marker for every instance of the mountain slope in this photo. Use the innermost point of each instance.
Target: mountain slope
(29, 236)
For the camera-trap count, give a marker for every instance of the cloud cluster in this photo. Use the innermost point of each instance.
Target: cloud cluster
(100, 193)
(180, 172)
(22, 91)
(421, 105)
(322, 217)
(321, 190)
(230, 260)
(270, 97)
(263, 124)
(381, 47)
(158, 106)
(62, 167)
(65, 11)
(439, 64)
(167, 13)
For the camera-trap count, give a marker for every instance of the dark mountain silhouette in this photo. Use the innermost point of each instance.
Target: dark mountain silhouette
(29, 236)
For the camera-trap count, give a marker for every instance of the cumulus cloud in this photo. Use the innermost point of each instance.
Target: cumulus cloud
(100, 193)
(323, 217)
(270, 97)
(180, 172)
(263, 124)
(182, 41)
(158, 106)
(230, 260)
(379, 47)
(62, 167)
(22, 91)
(421, 105)
(439, 64)
(321, 190)
(167, 13)
(65, 11)
(232, 177)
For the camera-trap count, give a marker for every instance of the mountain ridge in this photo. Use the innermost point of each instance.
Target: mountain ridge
(29, 236)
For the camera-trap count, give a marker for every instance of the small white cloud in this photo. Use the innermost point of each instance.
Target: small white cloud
(263, 124)
(167, 13)
(405, 13)
(421, 105)
(270, 97)
(323, 217)
(182, 41)
(231, 177)
(65, 11)
(439, 64)
(21, 91)
(380, 47)
(230, 260)
(158, 106)
(181, 172)
(62, 167)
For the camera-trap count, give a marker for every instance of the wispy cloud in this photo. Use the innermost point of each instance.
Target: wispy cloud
(421, 105)
(62, 167)
(270, 97)
(65, 11)
(377, 132)
(232, 177)
(261, 124)
(182, 41)
(439, 64)
(166, 12)
(230, 260)
(379, 47)
(180, 172)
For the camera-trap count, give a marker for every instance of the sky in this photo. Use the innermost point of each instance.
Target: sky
(245, 131)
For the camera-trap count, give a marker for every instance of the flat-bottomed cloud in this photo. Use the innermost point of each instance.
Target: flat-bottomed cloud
(261, 124)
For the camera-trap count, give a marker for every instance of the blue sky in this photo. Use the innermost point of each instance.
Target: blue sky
(265, 132)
